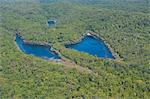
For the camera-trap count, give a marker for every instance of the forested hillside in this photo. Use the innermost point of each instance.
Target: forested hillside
(123, 24)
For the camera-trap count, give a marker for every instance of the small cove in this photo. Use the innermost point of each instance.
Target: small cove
(92, 45)
(41, 51)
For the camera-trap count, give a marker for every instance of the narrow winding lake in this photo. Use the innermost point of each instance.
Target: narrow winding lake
(93, 46)
(36, 50)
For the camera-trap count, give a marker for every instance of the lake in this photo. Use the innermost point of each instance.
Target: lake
(41, 51)
(51, 23)
(93, 46)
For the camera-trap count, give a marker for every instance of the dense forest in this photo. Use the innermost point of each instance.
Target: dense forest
(123, 24)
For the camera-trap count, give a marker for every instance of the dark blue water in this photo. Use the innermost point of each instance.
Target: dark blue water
(51, 23)
(93, 46)
(36, 50)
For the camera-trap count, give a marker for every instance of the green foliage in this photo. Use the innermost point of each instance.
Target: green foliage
(124, 24)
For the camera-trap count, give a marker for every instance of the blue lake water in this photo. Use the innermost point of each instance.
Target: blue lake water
(93, 46)
(51, 23)
(36, 50)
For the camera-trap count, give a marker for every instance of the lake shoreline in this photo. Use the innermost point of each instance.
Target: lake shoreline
(87, 33)
(115, 55)
(40, 44)
(96, 36)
